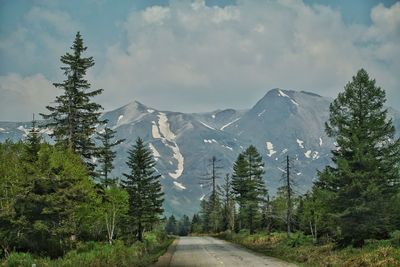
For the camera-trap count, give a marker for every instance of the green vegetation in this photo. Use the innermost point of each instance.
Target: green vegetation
(54, 211)
(98, 254)
(350, 217)
(301, 249)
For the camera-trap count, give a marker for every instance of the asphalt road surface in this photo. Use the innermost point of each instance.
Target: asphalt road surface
(208, 251)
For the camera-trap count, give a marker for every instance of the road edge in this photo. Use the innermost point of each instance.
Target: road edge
(258, 253)
(165, 260)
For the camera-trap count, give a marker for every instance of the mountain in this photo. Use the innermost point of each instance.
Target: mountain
(282, 123)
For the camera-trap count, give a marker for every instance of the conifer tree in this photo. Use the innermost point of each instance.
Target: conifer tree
(365, 175)
(171, 225)
(32, 143)
(144, 188)
(74, 116)
(239, 186)
(106, 154)
(228, 205)
(248, 185)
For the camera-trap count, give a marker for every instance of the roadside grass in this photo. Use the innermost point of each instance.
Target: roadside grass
(300, 249)
(95, 254)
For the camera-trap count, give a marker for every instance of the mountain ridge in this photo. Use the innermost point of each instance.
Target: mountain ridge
(282, 122)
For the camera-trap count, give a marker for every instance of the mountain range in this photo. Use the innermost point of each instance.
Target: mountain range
(283, 122)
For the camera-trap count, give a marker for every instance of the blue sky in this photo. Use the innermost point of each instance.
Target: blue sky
(195, 55)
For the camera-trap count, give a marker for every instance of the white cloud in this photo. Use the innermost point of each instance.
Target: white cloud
(155, 14)
(191, 57)
(22, 96)
(203, 57)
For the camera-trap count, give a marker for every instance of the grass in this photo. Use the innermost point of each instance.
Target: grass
(96, 254)
(300, 249)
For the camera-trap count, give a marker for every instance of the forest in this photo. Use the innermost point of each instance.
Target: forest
(60, 207)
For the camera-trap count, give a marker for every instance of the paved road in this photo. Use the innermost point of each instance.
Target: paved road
(208, 251)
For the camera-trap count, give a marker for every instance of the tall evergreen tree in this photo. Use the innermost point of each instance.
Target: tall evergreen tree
(32, 143)
(239, 186)
(74, 117)
(171, 225)
(248, 185)
(106, 155)
(144, 188)
(365, 175)
(228, 205)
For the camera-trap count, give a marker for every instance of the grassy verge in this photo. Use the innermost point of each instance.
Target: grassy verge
(300, 249)
(99, 254)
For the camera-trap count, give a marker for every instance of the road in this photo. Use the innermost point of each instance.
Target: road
(208, 251)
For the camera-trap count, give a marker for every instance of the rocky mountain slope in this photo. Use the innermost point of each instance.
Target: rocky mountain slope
(281, 123)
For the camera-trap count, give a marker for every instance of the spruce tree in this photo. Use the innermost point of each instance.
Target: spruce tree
(256, 186)
(239, 186)
(228, 205)
(365, 175)
(144, 188)
(106, 155)
(248, 185)
(75, 116)
(32, 143)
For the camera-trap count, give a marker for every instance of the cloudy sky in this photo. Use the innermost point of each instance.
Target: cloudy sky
(195, 55)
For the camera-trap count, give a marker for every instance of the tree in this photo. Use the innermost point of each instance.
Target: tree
(365, 175)
(32, 143)
(195, 226)
(171, 226)
(106, 155)
(144, 188)
(239, 187)
(115, 207)
(228, 205)
(44, 213)
(248, 185)
(74, 117)
(184, 226)
(213, 207)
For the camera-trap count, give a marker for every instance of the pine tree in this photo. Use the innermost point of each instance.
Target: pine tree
(248, 185)
(365, 177)
(74, 117)
(171, 226)
(225, 190)
(32, 143)
(106, 155)
(239, 186)
(144, 188)
(213, 204)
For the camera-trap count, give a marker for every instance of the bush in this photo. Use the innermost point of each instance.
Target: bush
(395, 238)
(100, 254)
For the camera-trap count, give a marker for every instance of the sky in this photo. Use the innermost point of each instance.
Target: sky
(195, 56)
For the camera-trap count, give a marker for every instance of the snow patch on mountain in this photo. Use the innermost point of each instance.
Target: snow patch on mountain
(315, 155)
(226, 125)
(320, 141)
(155, 132)
(208, 126)
(155, 152)
(150, 110)
(270, 148)
(307, 154)
(2, 129)
(120, 118)
(228, 147)
(260, 114)
(179, 185)
(280, 93)
(162, 131)
(300, 142)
